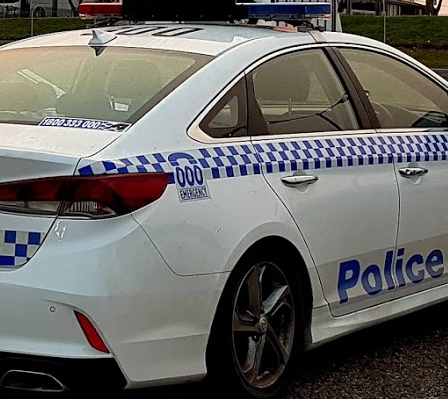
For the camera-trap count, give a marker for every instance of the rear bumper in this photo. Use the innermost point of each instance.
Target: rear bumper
(55, 375)
(154, 323)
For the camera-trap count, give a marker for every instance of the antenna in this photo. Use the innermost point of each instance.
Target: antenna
(100, 37)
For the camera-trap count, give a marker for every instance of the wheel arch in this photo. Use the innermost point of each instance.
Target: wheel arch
(285, 251)
(288, 253)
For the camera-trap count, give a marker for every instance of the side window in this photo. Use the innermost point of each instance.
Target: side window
(300, 93)
(401, 96)
(228, 118)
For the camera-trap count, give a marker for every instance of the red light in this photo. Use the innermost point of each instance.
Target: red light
(119, 194)
(122, 193)
(90, 332)
(91, 10)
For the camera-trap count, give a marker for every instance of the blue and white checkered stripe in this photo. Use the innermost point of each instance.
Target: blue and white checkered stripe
(17, 247)
(138, 164)
(230, 161)
(242, 160)
(217, 163)
(350, 151)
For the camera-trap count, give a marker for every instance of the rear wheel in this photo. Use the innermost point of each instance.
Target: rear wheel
(258, 330)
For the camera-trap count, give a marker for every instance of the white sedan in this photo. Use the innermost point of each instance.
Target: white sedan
(181, 201)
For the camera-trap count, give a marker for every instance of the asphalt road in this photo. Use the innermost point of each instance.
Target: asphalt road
(403, 359)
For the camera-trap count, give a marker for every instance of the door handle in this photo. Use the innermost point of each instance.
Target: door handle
(296, 180)
(412, 171)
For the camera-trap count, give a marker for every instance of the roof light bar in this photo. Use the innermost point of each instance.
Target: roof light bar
(222, 10)
(182, 10)
(287, 11)
(92, 10)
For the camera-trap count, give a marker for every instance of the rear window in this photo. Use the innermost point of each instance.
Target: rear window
(109, 84)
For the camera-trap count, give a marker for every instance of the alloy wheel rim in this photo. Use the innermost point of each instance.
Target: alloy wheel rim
(263, 325)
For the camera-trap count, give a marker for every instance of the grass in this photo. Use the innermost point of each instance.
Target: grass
(404, 31)
(434, 58)
(422, 37)
(425, 38)
(20, 28)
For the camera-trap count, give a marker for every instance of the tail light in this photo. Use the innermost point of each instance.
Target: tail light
(86, 196)
(91, 10)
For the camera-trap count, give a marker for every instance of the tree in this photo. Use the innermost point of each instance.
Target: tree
(432, 8)
(54, 8)
(73, 7)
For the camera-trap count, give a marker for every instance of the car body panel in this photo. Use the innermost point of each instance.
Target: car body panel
(30, 152)
(422, 236)
(92, 273)
(150, 281)
(359, 185)
(188, 38)
(52, 144)
(326, 327)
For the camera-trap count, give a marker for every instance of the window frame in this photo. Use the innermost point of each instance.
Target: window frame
(356, 102)
(238, 90)
(435, 79)
(360, 104)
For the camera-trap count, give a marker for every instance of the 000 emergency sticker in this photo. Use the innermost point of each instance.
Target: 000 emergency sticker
(189, 177)
(90, 124)
(191, 183)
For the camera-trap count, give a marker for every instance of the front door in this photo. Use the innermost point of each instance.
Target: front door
(412, 110)
(333, 176)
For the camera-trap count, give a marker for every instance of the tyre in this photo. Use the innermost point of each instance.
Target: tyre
(258, 330)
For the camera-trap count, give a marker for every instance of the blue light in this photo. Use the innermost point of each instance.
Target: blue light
(287, 11)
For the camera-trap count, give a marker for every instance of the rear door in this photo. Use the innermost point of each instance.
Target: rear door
(330, 170)
(413, 113)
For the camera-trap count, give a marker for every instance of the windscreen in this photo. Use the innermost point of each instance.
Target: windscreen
(108, 84)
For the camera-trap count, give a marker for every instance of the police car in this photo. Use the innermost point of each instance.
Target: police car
(206, 201)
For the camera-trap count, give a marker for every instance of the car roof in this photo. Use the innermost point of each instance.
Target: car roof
(207, 39)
